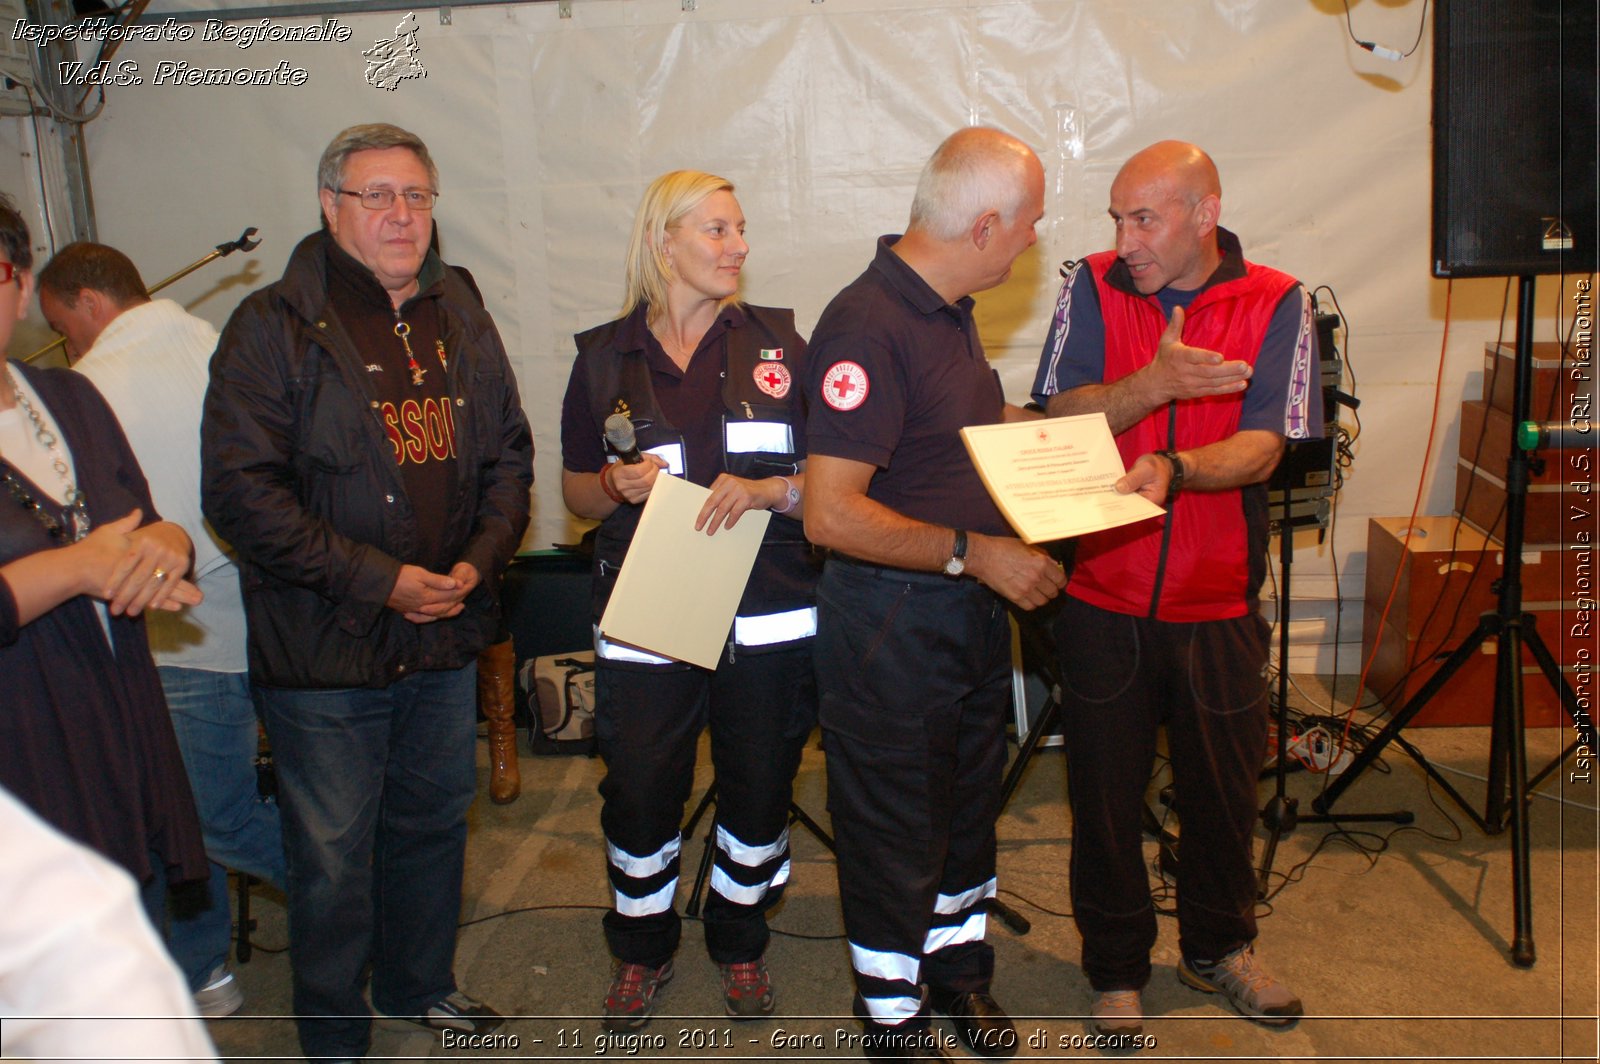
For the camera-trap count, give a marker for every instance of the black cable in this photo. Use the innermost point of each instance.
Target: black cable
(840, 937)
(571, 906)
(578, 906)
(119, 22)
(1344, 458)
(1370, 850)
(1380, 50)
(1030, 903)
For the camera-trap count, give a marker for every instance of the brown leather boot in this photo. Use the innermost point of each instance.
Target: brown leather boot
(497, 698)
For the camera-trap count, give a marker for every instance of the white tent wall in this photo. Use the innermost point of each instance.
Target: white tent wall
(546, 130)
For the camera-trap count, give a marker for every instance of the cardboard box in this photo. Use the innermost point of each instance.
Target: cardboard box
(1553, 383)
(1448, 574)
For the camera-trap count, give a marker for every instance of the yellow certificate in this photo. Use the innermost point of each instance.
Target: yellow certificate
(1053, 477)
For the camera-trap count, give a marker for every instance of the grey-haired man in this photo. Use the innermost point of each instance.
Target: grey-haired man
(365, 451)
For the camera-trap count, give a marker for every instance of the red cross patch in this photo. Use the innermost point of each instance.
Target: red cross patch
(845, 386)
(773, 378)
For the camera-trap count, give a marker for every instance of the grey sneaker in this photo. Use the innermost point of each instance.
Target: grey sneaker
(1249, 988)
(1117, 1012)
(221, 996)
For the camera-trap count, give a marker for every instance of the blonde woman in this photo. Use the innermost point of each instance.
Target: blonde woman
(710, 388)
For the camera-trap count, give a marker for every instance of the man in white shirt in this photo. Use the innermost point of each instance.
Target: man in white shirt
(150, 359)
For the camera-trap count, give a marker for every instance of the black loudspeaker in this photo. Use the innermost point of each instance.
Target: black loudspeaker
(1513, 138)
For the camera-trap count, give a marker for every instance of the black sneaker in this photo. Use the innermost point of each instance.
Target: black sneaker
(459, 1013)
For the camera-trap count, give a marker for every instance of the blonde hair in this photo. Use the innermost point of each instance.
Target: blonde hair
(665, 202)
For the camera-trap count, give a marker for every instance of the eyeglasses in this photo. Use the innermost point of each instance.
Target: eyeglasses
(381, 199)
(8, 270)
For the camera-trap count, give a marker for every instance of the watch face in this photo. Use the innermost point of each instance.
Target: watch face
(955, 567)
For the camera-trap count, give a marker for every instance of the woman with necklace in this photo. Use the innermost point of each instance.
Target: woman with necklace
(85, 739)
(707, 386)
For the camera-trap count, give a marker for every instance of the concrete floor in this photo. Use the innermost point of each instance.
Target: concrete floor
(1398, 944)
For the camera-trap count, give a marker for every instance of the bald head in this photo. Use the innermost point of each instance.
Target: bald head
(1166, 201)
(1181, 167)
(975, 170)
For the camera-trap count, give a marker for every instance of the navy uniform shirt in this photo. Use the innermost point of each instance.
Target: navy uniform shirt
(690, 399)
(894, 374)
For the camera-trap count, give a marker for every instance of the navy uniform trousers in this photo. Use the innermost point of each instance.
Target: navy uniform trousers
(761, 708)
(914, 674)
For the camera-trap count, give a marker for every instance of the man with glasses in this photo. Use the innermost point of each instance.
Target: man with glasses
(365, 451)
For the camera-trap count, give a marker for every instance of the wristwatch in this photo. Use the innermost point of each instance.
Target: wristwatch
(958, 556)
(1174, 485)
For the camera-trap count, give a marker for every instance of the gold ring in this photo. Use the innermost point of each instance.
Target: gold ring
(160, 574)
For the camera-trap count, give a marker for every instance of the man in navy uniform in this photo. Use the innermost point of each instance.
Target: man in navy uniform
(913, 645)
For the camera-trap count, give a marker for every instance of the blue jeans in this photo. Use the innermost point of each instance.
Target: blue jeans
(374, 787)
(215, 721)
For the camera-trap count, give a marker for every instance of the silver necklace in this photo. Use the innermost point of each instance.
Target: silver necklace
(77, 514)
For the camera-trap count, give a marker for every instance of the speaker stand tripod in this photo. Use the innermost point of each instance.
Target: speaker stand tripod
(796, 816)
(1512, 629)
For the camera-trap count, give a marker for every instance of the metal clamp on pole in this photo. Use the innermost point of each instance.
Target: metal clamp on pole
(1562, 435)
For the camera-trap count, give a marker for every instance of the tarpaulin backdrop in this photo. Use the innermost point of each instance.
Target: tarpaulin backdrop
(547, 128)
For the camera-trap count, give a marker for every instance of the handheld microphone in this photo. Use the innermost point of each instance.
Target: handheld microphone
(619, 434)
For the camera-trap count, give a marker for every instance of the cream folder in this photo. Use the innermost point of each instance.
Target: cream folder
(679, 589)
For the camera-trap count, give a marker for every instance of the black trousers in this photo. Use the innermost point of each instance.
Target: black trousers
(761, 708)
(1122, 678)
(913, 670)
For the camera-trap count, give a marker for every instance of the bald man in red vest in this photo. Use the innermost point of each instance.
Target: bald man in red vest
(1203, 364)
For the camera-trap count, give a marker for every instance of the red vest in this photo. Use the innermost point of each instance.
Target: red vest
(1205, 573)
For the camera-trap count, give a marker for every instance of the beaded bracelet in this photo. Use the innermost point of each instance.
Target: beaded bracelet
(608, 487)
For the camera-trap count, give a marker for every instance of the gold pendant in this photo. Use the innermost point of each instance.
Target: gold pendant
(416, 374)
